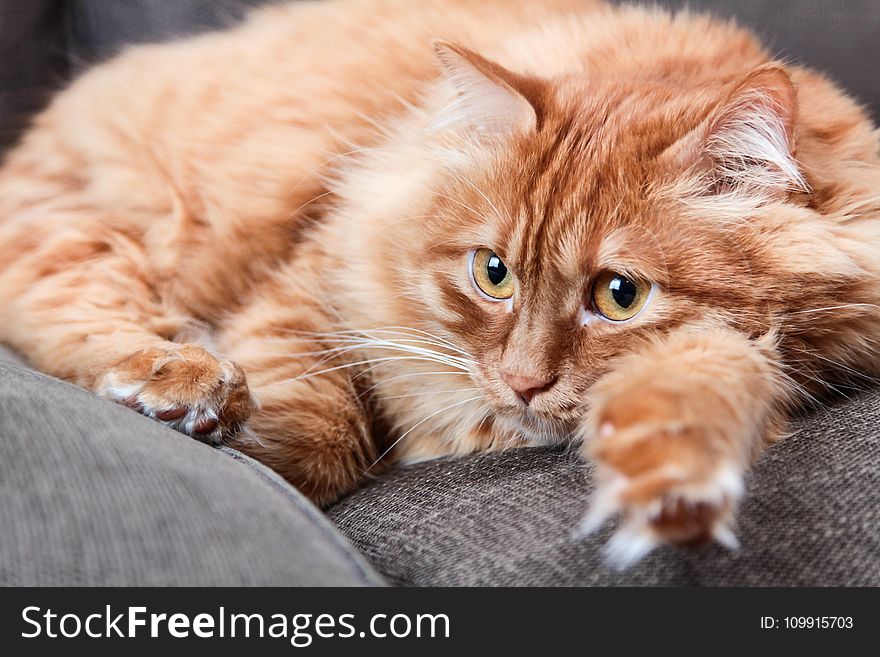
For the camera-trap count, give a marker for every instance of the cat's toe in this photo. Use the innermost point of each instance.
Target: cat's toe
(171, 414)
(185, 388)
(668, 483)
(198, 421)
(668, 466)
(205, 425)
(664, 508)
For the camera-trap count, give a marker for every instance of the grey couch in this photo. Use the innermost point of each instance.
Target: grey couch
(93, 493)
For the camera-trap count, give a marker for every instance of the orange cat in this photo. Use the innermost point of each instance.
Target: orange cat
(329, 240)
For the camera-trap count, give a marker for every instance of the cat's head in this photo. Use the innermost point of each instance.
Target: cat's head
(530, 231)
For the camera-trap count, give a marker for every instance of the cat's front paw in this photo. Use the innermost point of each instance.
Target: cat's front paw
(184, 387)
(672, 477)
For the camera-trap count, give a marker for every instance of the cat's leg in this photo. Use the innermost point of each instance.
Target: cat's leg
(77, 297)
(673, 429)
(313, 424)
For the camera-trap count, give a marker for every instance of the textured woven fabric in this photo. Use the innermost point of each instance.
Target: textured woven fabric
(812, 517)
(93, 494)
(7, 355)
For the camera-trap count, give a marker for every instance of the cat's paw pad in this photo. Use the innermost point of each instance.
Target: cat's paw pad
(669, 483)
(184, 387)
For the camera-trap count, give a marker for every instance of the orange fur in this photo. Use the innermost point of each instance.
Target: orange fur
(294, 201)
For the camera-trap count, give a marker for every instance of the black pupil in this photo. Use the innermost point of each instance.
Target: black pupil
(623, 290)
(495, 270)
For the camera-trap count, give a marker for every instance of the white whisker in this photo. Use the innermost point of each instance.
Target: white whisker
(431, 392)
(459, 203)
(417, 425)
(495, 209)
(405, 376)
(841, 307)
(364, 334)
(370, 361)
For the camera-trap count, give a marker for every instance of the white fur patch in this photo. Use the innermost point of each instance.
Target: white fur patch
(112, 388)
(636, 537)
(751, 144)
(481, 104)
(753, 150)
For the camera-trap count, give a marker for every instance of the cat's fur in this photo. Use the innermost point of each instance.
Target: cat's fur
(261, 237)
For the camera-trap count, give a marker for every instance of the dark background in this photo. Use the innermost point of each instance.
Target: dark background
(45, 42)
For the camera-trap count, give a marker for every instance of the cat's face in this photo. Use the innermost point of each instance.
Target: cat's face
(547, 264)
(568, 242)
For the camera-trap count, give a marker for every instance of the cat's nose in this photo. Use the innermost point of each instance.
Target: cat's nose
(526, 387)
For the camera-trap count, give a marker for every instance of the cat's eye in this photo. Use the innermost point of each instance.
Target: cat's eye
(619, 298)
(490, 275)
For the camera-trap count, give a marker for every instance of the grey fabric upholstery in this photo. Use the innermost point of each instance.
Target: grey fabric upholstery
(7, 355)
(94, 494)
(812, 517)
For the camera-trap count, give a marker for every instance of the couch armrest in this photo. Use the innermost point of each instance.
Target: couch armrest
(95, 494)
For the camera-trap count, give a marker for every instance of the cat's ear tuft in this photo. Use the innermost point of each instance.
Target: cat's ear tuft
(748, 140)
(487, 100)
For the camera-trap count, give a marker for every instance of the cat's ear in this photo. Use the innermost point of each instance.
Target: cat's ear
(488, 102)
(748, 140)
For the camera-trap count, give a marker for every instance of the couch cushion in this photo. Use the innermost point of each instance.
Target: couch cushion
(811, 517)
(94, 494)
